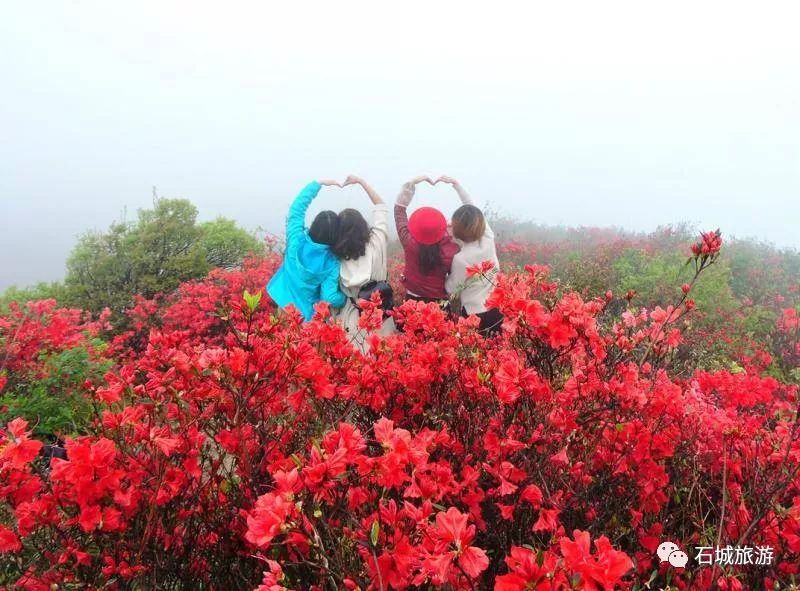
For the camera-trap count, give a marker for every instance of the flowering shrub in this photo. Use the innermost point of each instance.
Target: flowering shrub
(47, 357)
(238, 448)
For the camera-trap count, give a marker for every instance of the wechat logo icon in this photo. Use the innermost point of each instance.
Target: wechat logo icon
(670, 552)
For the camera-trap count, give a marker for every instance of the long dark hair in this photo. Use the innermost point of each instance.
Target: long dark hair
(353, 235)
(325, 228)
(430, 258)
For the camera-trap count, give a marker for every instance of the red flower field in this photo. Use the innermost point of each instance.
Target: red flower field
(230, 446)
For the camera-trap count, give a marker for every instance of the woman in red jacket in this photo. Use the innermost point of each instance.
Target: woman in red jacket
(428, 248)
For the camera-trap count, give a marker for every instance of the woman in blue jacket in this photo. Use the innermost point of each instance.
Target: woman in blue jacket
(310, 271)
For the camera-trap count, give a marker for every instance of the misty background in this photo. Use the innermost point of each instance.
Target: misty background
(622, 113)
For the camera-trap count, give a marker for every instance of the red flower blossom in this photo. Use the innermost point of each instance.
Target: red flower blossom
(9, 542)
(526, 574)
(454, 538)
(709, 244)
(18, 448)
(601, 570)
(238, 441)
(480, 269)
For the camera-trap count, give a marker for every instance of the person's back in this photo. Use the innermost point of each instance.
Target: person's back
(310, 271)
(372, 265)
(428, 249)
(363, 253)
(476, 238)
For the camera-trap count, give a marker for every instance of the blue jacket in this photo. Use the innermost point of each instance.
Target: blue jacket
(310, 271)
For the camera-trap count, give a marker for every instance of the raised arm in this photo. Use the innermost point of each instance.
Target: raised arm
(465, 199)
(462, 193)
(403, 200)
(401, 223)
(380, 213)
(296, 218)
(373, 195)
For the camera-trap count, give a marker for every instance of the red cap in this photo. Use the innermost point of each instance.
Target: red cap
(427, 225)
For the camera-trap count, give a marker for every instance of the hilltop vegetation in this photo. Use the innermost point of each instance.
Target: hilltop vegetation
(645, 388)
(164, 247)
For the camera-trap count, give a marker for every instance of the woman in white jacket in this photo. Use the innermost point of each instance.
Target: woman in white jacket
(362, 251)
(471, 231)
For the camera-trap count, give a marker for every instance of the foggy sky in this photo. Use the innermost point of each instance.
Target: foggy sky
(632, 114)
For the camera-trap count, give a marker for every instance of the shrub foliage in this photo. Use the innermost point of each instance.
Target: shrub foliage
(234, 447)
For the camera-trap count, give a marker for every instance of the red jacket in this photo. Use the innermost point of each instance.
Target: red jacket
(417, 283)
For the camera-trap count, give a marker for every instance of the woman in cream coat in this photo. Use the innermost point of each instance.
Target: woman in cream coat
(362, 252)
(473, 234)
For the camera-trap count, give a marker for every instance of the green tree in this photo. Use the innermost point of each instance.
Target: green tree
(100, 270)
(226, 244)
(163, 248)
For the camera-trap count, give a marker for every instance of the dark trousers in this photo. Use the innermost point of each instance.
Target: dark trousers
(491, 321)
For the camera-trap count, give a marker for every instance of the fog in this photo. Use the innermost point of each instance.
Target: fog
(618, 113)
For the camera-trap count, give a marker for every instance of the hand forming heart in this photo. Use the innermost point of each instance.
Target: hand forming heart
(354, 180)
(350, 180)
(442, 179)
(446, 179)
(421, 178)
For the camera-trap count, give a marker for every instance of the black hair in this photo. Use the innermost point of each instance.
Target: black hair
(325, 228)
(430, 258)
(353, 235)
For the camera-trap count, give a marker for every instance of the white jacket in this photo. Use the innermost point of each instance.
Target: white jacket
(373, 265)
(476, 289)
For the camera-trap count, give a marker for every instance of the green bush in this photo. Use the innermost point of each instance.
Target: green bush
(55, 403)
(40, 291)
(656, 278)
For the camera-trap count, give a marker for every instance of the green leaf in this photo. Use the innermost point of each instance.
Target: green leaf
(252, 300)
(374, 531)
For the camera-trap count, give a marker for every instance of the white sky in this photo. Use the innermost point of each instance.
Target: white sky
(599, 113)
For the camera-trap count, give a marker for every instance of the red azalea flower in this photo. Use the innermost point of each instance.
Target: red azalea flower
(9, 542)
(601, 570)
(19, 449)
(526, 574)
(455, 536)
